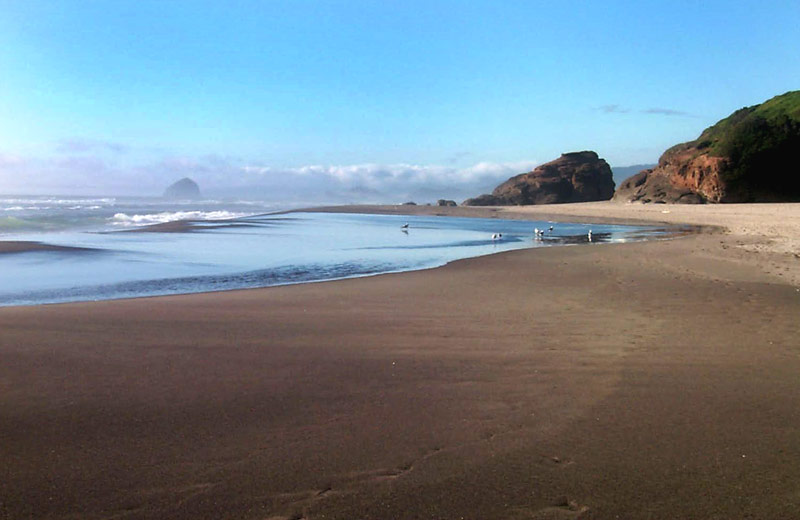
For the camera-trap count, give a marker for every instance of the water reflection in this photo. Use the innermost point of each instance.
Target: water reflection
(199, 256)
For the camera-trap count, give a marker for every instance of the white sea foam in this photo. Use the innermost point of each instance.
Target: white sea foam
(28, 208)
(79, 207)
(36, 201)
(123, 219)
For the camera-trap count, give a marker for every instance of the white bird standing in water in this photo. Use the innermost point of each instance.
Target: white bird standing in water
(590, 235)
(404, 226)
(497, 236)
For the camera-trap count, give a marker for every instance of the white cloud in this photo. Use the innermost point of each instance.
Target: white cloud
(619, 109)
(392, 181)
(81, 145)
(665, 112)
(10, 160)
(613, 109)
(378, 174)
(369, 182)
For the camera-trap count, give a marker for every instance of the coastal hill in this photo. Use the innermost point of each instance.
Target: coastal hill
(573, 177)
(750, 156)
(185, 188)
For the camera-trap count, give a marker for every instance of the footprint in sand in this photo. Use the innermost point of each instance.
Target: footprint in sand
(563, 509)
(327, 490)
(552, 460)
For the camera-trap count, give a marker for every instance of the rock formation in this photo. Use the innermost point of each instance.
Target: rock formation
(623, 172)
(749, 156)
(185, 188)
(573, 177)
(445, 202)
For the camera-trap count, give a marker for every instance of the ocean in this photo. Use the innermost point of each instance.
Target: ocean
(239, 244)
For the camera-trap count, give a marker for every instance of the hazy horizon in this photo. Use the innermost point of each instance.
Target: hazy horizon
(300, 191)
(364, 102)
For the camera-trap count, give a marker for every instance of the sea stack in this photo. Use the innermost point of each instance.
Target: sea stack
(185, 188)
(573, 177)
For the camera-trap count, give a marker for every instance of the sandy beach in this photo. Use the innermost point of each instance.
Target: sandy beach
(653, 380)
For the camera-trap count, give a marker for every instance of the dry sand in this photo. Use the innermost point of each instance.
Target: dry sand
(648, 380)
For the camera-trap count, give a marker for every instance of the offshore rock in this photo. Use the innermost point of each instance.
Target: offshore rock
(573, 177)
(185, 188)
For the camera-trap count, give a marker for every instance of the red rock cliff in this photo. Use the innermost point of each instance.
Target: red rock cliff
(573, 177)
(683, 175)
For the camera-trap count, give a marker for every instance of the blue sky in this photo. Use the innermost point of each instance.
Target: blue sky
(365, 98)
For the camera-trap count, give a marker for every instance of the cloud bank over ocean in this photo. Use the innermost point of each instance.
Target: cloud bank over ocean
(84, 167)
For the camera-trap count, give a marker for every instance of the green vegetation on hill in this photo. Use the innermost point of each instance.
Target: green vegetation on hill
(773, 112)
(762, 146)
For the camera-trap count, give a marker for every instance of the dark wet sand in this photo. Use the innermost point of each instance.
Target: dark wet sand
(649, 380)
(22, 246)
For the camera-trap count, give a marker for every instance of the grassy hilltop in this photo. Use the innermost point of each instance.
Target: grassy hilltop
(761, 144)
(750, 156)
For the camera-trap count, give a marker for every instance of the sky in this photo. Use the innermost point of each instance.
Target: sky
(366, 101)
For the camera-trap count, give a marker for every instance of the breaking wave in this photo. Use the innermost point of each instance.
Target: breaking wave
(123, 219)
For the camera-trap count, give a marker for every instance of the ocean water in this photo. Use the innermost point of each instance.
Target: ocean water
(37, 214)
(235, 245)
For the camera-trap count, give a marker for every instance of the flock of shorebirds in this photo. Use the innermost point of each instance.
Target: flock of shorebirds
(537, 233)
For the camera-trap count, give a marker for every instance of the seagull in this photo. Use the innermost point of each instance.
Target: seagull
(590, 235)
(497, 236)
(538, 232)
(550, 228)
(404, 226)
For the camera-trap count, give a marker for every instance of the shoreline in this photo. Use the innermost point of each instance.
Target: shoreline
(769, 231)
(649, 380)
(190, 226)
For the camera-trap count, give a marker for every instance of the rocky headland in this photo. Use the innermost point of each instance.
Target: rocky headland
(573, 177)
(750, 156)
